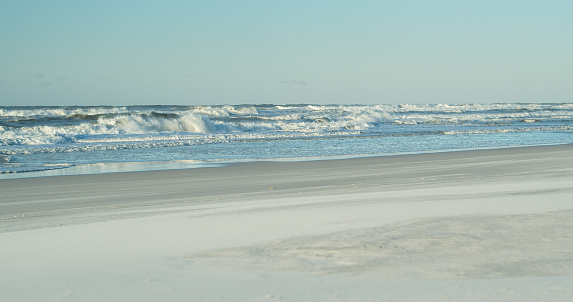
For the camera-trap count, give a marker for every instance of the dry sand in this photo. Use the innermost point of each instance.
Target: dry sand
(472, 226)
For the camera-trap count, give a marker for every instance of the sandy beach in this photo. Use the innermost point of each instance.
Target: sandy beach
(454, 226)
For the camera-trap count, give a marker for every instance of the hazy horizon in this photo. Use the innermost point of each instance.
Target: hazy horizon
(258, 52)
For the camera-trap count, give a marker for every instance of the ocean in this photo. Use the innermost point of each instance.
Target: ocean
(64, 140)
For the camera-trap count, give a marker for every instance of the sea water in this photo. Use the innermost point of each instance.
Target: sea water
(70, 140)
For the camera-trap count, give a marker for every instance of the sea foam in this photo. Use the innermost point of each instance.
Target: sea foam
(151, 133)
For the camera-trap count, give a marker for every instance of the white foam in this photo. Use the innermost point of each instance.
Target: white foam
(189, 122)
(84, 129)
(59, 111)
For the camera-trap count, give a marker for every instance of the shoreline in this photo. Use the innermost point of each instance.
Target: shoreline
(26, 197)
(128, 167)
(469, 225)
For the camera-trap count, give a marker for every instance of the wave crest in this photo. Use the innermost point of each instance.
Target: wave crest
(114, 125)
(154, 122)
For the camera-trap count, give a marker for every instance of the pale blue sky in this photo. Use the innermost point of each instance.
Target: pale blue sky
(229, 52)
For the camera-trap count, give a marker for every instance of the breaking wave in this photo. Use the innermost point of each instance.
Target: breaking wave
(158, 122)
(55, 138)
(71, 128)
(38, 126)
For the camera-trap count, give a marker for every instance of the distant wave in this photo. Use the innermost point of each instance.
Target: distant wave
(31, 126)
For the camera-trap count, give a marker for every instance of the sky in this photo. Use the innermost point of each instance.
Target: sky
(191, 52)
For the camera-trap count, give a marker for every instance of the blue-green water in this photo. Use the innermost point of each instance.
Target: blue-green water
(36, 139)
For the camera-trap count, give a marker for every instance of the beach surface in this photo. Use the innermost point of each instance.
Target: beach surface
(485, 225)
